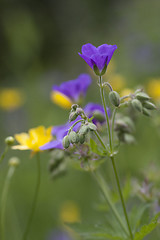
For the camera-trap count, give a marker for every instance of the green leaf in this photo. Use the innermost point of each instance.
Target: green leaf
(96, 149)
(146, 229)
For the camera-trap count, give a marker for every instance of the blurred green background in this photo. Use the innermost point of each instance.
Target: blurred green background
(39, 43)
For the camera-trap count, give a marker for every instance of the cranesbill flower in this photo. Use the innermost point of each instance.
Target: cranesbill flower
(71, 91)
(98, 58)
(60, 132)
(32, 140)
(96, 110)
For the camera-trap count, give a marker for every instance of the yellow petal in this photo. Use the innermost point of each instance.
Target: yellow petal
(22, 138)
(61, 99)
(20, 147)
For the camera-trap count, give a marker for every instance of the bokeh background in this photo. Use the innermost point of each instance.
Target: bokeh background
(39, 45)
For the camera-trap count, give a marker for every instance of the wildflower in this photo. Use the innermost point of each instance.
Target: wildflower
(99, 57)
(96, 110)
(71, 92)
(11, 99)
(69, 212)
(34, 139)
(154, 88)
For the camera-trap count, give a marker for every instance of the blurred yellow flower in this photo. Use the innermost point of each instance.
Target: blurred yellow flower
(11, 99)
(153, 88)
(126, 92)
(117, 82)
(69, 212)
(61, 99)
(34, 139)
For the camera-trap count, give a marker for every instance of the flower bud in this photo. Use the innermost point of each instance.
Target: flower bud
(92, 126)
(84, 129)
(74, 107)
(137, 105)
(9, 141)
(142, 96)
(79, 111)
(114, 98)
(73, 116)
(73, 137)
(14, 161)
(149, 105)
(66, 142)
(82, 138)
(146, 112)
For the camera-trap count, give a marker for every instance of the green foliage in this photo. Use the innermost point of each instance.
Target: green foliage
(96, 148)
(148, 228)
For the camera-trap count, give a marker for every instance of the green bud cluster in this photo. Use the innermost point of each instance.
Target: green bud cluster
(75, 112)
(142, 103)
(78, 137)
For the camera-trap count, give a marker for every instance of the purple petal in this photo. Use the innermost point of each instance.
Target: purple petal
(88, 50)
(87, 60)
(53, 144)
(99, 60)
(107, 50)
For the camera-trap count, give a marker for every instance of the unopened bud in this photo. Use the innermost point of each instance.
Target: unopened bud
(66, 142)
(142, 96)
(92, 126)
(14, 161)
(84, 129)
(114, 98)
(149, 105)
(9, 141)
(74, 107)
(73, 116)
(79, 111)
(73, 137)
(146, 112)
(82, 138)
(137, 105)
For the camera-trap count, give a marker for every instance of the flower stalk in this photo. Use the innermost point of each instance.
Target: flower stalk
(112, 156)
(34, 204)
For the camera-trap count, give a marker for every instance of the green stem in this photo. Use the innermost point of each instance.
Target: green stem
(4, 199)
(100, 139)
(105, 110)
(121, 196)
(25, 235)
(113, 119)
(3, 154)
(111, 156)
(104, 189)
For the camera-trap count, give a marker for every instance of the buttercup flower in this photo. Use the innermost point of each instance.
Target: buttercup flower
(34, 139)
(71, 91)
(97, 57)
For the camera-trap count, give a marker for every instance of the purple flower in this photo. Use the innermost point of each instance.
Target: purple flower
(59, 132)
(60, 235)
(71, 91)
(99, 57)
(96, 110)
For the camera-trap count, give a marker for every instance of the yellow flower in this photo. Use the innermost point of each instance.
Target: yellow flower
(61, 99)
(11, 99)
(34, 139)
(69, 212)
(126, 92)
(117, 82)
(153, 88)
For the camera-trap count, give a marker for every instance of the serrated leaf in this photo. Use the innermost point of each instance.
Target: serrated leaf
(146, 229)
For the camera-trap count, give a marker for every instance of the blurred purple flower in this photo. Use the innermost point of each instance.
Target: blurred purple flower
(96, 110)
(71, 91)
(60, 235)
(99, 56)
